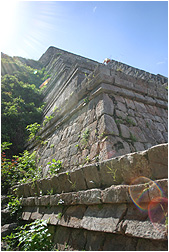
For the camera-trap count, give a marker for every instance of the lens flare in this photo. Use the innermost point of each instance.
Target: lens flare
(142, 190)
(158, 213)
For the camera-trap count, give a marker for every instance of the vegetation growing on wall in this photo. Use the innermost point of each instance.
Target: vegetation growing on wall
(21, 100)
(30, 237)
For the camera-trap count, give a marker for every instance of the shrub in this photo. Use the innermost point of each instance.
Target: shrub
(30, 237)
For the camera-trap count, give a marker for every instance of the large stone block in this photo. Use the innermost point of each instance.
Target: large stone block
(110, 172)
(77, 180)
(116, 194)
(151, 245)
(124, 131)
(55, 184)
(134, 165)
(107, 126)
(73, 216)
(104, 106)
(64, 182)
(103, 219)
(61, 237)
(119, 243)
(89, 197)
(44, 185)
(158, 161)
(92, 176)
(95, 241)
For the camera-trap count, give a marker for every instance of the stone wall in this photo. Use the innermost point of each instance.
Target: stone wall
(108, 126)
(91, 208)
(98, 113)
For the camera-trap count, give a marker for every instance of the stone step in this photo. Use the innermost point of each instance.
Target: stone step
(151, 163)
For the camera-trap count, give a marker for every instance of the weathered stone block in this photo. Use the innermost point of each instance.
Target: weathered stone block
(151, 245)
(26, 190)
(33, 189)
(45, 200)
(147, 230)
(121, 106)
(140, 107)
(61, 237)
(64, 184)
(95, 241)
(36, 215)
(77, 179)
(137, 134)
(30, 201)
(44, 185)
(134, 165)
(26, 216)
(124, 131)
(119, 243)
(77, 239)
(55, 184)
(69, 198)
(54, 199)
(158, 161)
(139, 146)
(107, 126)
(104, 106)
(116, 194)
(73, 216)
(91, 176)
(37, 201)
(110, 172)
(130, 103)
(88, 197)
(94, 151)
(99, 219)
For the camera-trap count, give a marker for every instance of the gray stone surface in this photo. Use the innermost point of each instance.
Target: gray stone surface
(7, 229)
(105, 219)
(107, 126)
(158, 161)
(126, 111)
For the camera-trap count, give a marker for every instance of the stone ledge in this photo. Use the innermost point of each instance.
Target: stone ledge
(114, 195)
(123, 219)
(151, 163)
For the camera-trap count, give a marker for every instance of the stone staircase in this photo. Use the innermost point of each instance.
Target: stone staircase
(91, 208)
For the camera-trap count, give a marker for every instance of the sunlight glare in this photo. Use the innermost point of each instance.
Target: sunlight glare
(8, 20)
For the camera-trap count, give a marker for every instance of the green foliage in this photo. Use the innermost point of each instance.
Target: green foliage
(60, 202)
(112, 172)
(14, 204)
(59, 216)
(30, 237)
(87, 159)
(21, 105)
(133, 138)
(33, 129)
(4, 146)
(54, 166)
(19, 169)
(85, 137)
(130, 121)
(9, 173)
(72, 184)
(47, 119)
(50, 192)
(86, 100)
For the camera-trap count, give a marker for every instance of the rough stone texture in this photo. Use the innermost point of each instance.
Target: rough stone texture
(124, 104)
(109, 127)
(115, 171)
(7, 229)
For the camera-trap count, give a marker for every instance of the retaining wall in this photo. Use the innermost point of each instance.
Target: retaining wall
(91, 208)
(108, 126)
(99, 115)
